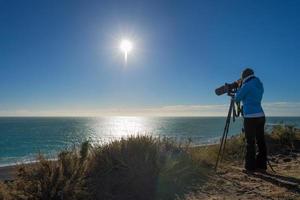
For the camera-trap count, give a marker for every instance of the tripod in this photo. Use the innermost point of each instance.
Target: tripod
(231, 112)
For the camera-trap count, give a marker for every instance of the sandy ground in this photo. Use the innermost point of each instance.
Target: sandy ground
(231, 182)
(7, 173)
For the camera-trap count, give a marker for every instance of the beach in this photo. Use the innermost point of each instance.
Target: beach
(7, 173)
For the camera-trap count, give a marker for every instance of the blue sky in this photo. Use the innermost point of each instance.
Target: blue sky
(63, 58)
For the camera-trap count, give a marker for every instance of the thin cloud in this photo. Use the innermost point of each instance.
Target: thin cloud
(271, 109)
(282, 108)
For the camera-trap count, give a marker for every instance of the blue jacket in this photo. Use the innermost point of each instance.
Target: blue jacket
(251, 94)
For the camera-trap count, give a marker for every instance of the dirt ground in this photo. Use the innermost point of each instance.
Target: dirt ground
(231, 182)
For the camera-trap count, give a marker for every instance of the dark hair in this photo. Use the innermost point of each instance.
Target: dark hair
(247, 72)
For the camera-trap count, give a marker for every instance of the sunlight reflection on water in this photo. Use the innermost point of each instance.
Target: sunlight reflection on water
(110, 128)
(21, 139)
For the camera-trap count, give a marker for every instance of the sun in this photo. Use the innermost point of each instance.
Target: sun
(126, 47)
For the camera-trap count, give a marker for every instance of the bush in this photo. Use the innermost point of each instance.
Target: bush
(51, 180)
(286, 134)
(141, 168)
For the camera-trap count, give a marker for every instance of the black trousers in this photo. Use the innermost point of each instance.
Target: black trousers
(254, 133)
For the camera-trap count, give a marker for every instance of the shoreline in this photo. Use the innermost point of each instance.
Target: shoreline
(8, 172)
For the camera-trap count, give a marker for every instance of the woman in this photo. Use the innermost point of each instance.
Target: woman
(251, 94)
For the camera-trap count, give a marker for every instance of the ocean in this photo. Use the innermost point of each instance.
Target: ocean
(23, 138)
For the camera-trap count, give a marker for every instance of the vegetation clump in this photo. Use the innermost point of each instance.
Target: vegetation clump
(286, 135)
(140, 167)
(51, 180)
(282, 139)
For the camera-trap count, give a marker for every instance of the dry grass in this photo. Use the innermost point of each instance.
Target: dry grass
(282, 139)
(139, 167)
(61, 179)
(5, 192)
(234, 151)
(142, 168)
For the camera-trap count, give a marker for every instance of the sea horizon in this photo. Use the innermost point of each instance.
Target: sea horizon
(169, 116)
(23, 138)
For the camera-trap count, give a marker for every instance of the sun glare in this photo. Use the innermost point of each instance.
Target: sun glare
(126, 47)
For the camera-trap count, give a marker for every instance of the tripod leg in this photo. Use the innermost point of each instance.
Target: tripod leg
(225, 139)
(225, 132)
(268, 161)
(221, 147)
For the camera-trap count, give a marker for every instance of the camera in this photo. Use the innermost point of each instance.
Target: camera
(229, 88)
